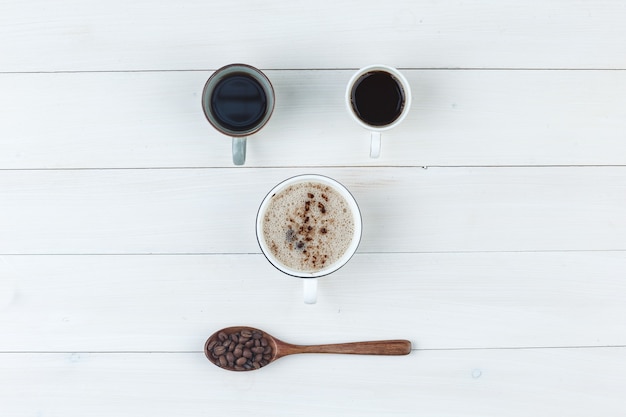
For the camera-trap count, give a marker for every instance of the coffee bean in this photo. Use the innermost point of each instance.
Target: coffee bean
(243, 350)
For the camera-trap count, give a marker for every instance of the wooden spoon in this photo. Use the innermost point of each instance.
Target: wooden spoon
(243, 348)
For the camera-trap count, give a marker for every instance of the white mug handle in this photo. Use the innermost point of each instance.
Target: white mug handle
(375, 147)
(310, 290)
(239, 151)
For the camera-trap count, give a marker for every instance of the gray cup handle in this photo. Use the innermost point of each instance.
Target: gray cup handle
(239, 151)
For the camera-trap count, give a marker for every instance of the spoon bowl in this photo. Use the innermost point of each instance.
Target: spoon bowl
(244, 348)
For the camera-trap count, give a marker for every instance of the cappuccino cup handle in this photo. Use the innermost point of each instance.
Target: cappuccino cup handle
(375, 147)
(239, 151)
(310, 290)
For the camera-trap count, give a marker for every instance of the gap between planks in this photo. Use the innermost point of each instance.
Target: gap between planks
(174, 352)
(314, 69)
(310, 167)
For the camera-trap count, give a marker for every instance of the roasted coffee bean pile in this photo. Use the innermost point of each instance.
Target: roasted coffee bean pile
(240, 351)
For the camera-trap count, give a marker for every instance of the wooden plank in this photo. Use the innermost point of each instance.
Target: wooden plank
(403, 209)
(572, 382)
(116, 35)
(438, 301)
(126, 234)
(459, 118)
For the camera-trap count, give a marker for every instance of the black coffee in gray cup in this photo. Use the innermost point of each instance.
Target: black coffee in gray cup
(238, 101)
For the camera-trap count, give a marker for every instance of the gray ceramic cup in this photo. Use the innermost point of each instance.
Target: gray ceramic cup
(238, 101)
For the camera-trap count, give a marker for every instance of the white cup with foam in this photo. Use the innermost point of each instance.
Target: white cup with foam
(288, 238)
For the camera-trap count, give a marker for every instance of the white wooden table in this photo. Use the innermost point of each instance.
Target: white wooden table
(494, 221)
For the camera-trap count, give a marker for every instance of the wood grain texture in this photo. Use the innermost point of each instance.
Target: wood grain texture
(245, 348)
(117, 35)
(424, 383)
(403, 209)
(146, 120)
(437, 301)
(373, 347)
(494, 229)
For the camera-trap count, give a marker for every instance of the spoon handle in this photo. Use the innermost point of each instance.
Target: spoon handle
(379, 347)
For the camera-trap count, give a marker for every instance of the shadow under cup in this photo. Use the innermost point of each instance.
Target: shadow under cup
(238, 101)
(306, 192)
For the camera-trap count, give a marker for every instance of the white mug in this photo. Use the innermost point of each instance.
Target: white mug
(311, 200)
(378, 97)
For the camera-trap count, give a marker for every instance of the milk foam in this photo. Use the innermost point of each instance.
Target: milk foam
(308, 226)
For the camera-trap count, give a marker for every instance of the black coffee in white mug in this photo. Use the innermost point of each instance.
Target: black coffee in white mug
(378, 97)
(238, 101)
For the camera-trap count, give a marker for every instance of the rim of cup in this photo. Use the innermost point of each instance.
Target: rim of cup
(224, 71)
(356, 213)
(397, 75)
